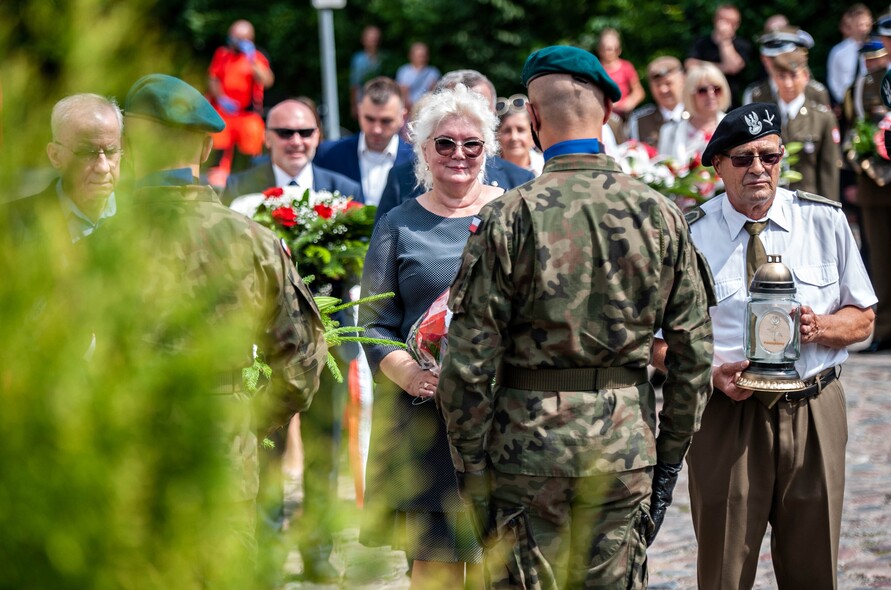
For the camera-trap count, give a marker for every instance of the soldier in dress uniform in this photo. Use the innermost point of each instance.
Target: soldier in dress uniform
(874, 180)
(562, 285)
(776, 43)
(666, 78)
(811, 123)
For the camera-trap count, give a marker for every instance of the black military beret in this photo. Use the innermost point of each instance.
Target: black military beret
(172, 102)
(742, 125)
(564, 59)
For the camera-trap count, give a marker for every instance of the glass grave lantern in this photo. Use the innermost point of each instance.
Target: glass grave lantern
(772, 333)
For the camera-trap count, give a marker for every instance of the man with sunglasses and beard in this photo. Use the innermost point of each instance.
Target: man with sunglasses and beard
(561, 287)
(765, 457)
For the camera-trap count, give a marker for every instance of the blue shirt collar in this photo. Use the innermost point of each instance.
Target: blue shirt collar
(79, 223)
(178, 177)
(573, 146)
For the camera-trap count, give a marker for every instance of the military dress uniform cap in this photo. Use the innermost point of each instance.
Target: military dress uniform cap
(663, 66)
(564, 59)
(883, 25)
(783, 41)
(172, 102)
(742, 125)
(791, 61)
(873, 49)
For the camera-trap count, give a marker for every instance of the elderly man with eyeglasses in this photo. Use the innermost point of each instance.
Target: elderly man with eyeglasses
(86, 152)
(766, 458)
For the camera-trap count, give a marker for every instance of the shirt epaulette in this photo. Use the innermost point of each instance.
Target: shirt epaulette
(694, 215)
(643, 111)
(815, 198)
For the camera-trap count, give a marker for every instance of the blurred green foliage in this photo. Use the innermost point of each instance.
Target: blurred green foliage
(493, 36)
(111, 472)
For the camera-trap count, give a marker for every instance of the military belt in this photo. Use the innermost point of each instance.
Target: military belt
(577, 379)
(815, 386)
(228, 383)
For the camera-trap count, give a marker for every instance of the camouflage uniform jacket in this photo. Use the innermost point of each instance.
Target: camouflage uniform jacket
(577, 268)
(242, 289)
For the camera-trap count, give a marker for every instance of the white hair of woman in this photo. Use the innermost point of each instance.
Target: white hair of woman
(458, 103)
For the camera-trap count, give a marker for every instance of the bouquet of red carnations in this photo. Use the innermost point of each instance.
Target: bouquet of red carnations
(428, 338)
(327, 233)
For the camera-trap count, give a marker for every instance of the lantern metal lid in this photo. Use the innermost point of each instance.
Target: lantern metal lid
(773, 277)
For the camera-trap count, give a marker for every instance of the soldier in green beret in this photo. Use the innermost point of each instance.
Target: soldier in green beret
(234, 276)
(561, 288)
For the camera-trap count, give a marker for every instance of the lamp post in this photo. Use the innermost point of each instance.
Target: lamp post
(329, 66)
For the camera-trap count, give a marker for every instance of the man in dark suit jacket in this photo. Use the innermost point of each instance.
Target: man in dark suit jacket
(86, 150)
(368, 156)
(292, 137)
(402, 184)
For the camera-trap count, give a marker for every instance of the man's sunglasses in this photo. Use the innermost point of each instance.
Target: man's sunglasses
(446, 146)
(746, 160)
(286, 133)
(514, 104)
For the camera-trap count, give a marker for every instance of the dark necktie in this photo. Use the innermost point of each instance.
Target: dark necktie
(292, 183)
(755, 254)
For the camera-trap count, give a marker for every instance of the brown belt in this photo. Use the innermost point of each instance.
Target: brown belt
(578, 379)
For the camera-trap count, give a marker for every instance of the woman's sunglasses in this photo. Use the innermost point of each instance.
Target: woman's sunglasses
(703, 90)
(446, 146)
(514, 104)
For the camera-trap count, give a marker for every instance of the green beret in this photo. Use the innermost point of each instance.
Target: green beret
(563, 59)
(172, 102)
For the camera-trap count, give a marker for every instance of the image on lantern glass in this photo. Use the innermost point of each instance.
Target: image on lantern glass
(446, 146)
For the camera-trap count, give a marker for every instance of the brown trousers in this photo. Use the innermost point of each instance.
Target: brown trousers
(750, 466)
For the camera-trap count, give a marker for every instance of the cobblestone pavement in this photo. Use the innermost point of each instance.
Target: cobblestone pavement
(864, 554)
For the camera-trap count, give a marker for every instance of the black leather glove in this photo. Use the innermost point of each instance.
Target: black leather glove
(665, 477)
(473, 488)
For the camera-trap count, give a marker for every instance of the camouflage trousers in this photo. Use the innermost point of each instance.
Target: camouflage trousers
(553, 533)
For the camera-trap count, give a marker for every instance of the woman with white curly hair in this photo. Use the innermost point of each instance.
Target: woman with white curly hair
(411, 498)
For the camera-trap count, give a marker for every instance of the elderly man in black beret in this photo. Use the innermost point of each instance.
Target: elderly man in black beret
(562, 285)
(763, 457)
(216, 283)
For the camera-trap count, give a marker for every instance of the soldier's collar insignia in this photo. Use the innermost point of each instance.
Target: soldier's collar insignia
(285, 247)
(475, 224)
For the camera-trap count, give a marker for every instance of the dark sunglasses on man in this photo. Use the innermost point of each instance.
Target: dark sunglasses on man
(446, 146)
(285, 133)
(746, 160)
